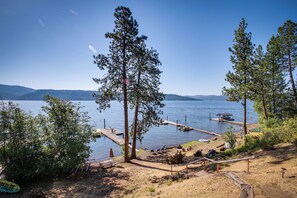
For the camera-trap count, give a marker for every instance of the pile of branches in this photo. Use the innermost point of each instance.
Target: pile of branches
(177, 158)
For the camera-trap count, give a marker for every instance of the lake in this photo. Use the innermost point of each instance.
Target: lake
(197, 113)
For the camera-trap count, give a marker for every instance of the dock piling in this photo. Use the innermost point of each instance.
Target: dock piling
(185, 118)
(104, 123)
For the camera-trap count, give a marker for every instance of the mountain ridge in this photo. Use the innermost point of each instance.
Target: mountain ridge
(15, 92)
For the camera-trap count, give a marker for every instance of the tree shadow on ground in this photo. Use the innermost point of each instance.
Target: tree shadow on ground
(281, 153)
(96, 183)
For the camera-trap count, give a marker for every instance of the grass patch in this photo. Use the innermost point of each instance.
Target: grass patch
(169, 182)
(151, 189)
(192, 143)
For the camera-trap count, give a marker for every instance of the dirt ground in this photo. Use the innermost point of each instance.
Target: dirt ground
(148, 176)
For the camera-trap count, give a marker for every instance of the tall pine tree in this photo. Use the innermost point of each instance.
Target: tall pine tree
(117, 62)
(240, 78)
(260, 83)
(145, 96)
(288, 43)
(276, 77)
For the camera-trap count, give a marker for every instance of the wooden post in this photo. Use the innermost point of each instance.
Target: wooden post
(248, 166)
(166, 117)
(176, 123)
(218, 168)
(104, 123)
(185, 118)
(111, 153)
(204, 165)
(171, 170)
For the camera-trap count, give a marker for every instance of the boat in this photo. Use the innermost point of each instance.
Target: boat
(225, 117)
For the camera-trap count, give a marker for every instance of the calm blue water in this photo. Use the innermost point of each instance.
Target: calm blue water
(197, 113)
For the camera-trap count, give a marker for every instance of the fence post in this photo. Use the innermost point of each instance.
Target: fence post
(218, 168)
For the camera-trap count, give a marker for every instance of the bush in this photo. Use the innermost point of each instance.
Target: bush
(230, 137)
(45, 145)
(269, 139)
(68, 134)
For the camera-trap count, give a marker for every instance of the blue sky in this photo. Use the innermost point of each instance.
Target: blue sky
(46, 43)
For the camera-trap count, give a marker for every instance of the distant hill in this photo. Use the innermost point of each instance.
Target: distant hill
(8, 92)
(209, 97)
(62, 94)
(178, 97)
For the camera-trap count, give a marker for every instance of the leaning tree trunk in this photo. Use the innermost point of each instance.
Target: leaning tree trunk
(292, 79)
(127, 159)
(244, 115)
(133, 156)
(135, 129)
(264, 109)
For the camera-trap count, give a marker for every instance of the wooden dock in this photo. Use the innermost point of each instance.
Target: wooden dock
(112, 136)
(231, 122)
(192, 128)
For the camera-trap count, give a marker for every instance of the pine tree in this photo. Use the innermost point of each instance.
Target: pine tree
(260, 82)
(241, 58)
(145, 96)
(276, 77)
(288, 44)
(117, 62)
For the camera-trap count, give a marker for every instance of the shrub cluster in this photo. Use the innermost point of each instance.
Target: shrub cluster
(49, 144)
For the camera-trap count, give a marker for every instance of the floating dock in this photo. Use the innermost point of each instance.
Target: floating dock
(165, 122)
(112, 136)
(228, 121)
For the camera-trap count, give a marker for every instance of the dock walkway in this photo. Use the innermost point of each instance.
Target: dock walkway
(192, 128)
(228, 121)
(112, 136)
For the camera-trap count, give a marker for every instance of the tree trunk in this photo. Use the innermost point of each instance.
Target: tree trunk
(264, 109)
(133, 156)
(244, 115)
(127, 159)
(291, 78)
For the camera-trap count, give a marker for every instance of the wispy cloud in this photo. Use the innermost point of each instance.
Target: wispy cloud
(92, 49)
(73, 12)
(41, 23)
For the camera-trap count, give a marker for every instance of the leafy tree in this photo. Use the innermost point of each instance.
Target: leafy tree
(68, 134)
(45, 145)
(21, 152)
(241, 58)
(145, 95)
(117, 62)
(288, 44)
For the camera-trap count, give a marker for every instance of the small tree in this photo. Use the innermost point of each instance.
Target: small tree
(21, 148)
(230, 137)
(68, 134)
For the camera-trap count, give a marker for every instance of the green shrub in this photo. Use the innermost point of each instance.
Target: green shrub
(230, 137)
(44, 145)
(269, 139)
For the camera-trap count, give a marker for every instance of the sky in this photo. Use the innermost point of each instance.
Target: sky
(49, 44)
